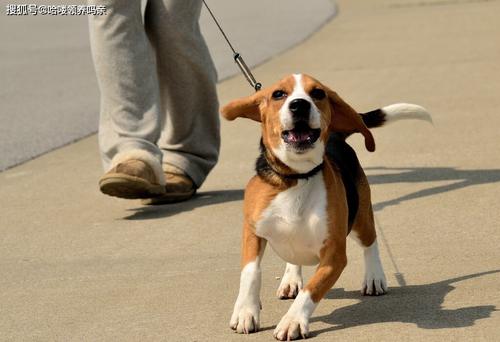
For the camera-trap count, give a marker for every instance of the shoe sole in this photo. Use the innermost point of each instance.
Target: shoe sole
(129, 187)
(169, 198)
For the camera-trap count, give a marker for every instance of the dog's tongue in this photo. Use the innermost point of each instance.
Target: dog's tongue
(296, 136)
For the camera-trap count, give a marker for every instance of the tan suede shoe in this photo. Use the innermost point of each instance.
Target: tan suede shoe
(131, 179)
(179, 187)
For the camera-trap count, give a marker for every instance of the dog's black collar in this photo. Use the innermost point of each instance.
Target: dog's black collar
(306, 175)
(265, 169)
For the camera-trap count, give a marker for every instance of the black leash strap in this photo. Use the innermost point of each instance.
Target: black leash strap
(238, 59)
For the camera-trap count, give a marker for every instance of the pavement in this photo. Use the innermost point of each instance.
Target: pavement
(49, 94)
(77, 265)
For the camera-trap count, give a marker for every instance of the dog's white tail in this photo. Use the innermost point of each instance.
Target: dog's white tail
(403, 111)
(395, 112)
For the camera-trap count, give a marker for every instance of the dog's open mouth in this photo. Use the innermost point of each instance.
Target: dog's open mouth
(301, 136)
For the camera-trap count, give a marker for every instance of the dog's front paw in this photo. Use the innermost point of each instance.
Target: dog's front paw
(291, 327)
(245, 319)
(374, 283)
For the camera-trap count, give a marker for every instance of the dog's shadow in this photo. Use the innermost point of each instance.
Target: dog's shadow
(417, 304)
(459, 178)
(201, 199)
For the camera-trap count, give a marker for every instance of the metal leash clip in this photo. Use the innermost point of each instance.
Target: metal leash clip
(246, 71)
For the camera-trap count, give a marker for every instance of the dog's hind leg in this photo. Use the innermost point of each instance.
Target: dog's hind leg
(291, 282)
(363, 232)
(374, 282)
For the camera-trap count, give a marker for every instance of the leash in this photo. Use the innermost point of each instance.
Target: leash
(238, 59)
(398, 275)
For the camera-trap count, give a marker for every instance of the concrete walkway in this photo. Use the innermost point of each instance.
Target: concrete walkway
(76, 265)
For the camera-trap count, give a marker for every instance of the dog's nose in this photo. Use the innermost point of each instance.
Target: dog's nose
(300, 109)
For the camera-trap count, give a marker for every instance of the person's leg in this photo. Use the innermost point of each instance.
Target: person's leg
(190, 138)
(130, 120)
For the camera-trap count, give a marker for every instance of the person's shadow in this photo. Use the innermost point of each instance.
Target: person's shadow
(417, 304)
(459, 178)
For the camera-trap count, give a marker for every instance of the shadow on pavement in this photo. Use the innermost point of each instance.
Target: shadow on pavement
(200, 200)
(417, 304)
(462, 178)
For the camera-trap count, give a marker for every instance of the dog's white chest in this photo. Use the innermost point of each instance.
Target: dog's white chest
(295, 223)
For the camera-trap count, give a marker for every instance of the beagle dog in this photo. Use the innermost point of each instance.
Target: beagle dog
(309, 193)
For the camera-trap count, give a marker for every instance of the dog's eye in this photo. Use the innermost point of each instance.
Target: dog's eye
(317, 94)
(278, 94)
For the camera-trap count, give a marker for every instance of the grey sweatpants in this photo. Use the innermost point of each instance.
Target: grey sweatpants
(157, 83)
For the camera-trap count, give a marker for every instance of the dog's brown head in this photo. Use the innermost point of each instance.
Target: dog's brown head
(297, 115)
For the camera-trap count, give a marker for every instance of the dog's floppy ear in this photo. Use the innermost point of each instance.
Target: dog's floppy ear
(346, 119)
(246, 107)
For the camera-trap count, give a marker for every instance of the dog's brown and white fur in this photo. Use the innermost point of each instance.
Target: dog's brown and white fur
(305, 201)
